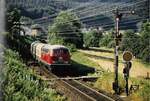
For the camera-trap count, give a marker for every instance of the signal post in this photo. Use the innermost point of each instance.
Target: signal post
(117, 37)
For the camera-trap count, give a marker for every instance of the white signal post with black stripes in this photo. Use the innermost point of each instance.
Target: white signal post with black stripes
(118, 15)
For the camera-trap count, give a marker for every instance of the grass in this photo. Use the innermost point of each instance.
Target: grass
(21, 84)
(105, 81)
(138, 68)
(80, 58)
(106, 78)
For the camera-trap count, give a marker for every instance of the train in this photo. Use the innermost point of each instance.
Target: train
(50, 55)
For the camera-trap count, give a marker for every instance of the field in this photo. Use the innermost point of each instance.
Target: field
(105, 60)
(102, 59)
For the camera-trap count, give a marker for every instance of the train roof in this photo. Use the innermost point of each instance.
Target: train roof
(48, 46)
(54, 46)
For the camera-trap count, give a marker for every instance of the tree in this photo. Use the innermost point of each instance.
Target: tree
(92, 38)
(67, 26)
(13, 21)
(107, 40)
(131, 42)
(145, 39)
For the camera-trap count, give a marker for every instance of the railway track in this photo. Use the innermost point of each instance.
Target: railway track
(73, 89)
(87, 93)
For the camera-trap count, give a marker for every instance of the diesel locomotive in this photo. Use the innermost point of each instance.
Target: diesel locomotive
(50, 55)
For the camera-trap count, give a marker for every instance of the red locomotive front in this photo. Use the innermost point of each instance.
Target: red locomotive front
(51, 54)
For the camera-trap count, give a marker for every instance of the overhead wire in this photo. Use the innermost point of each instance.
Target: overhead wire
(105, 12)
(125, 5)
(106, 25)
(57, 14)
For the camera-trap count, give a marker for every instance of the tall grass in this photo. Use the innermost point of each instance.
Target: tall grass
(105, 82)
(21, 84)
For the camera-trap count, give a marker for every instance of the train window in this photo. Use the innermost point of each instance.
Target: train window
(60, 51)
(65, 51)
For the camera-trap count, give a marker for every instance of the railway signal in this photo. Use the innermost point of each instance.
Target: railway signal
(127, 57)
(126, 71)
(118, 16)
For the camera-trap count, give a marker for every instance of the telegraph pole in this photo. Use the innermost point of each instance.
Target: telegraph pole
(117, 37)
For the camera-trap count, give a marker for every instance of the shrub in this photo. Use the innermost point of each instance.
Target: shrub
(131, 42)
(21, 84)
(143, 94)
(57, 40)
(70, 31)
(54, 39)
(107, 40)
(145, 55)
(145, 37)
(111, 44)
(91, 38)
(71, 47)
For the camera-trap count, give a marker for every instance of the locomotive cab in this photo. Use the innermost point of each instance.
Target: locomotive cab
(51, 55)
(60, 56)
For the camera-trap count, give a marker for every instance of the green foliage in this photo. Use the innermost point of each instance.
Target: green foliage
(143, 94)
(82, 59)
(36, 8)
(145, 40)
(13, 16)
(71, 47)
(105, 82)
(145, 55)
(67, 26)
(21, 84)
(111, 44)
(138, 44)
(58, 40)
(131, 42)
(145, 91)
(92, 38)
(55, 39)
(107, 40)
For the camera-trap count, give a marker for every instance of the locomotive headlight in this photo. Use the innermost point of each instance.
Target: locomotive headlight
(66, 62)
(54, 61)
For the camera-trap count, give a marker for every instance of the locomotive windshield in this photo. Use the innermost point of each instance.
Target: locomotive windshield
(60, 51)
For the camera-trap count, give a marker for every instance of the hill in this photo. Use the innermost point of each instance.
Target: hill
(92, 13)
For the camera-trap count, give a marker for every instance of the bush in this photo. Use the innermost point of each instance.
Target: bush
(107, 40)
(111, 44)
(145, 55)
(145, 91)
(138, 44)
(143, 94)
(71, 47)
(145, 37)
(21, 84)
(131, 42)
(92, 38)
(64, 27)
(54, 40)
